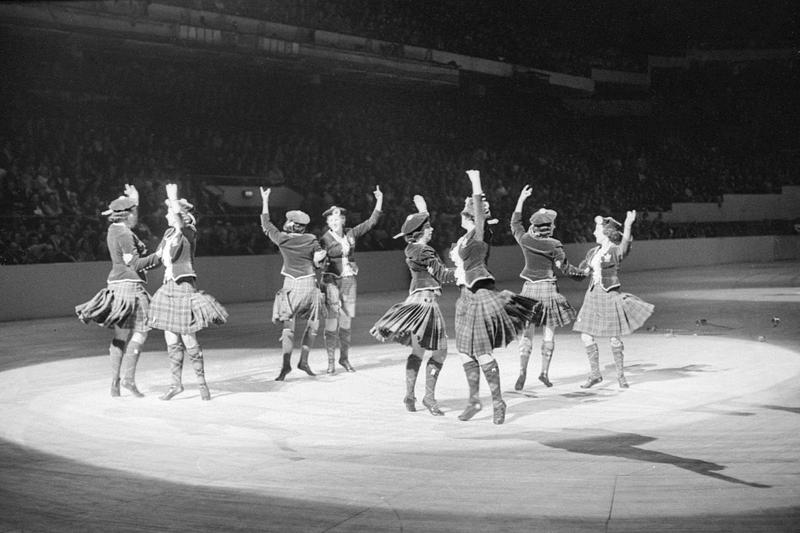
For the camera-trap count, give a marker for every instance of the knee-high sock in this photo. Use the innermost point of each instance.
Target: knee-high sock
(547, 355)
(331, 338)
(115, 351)
(287, 345)
(525, 348)
(412, 370)
(492, 372)
(129, 361)
(472, 371)
(593, 353)
(432, 370)
(309, 336)
(175, 353)
(617, 350)
(196, 355)
(344, 344)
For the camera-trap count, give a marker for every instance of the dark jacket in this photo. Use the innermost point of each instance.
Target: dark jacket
(427, 270)
(609, 264)
(126, 250)
(181, 254)
(473, 250)
(543, 255)
(334, 249)
(297, 249)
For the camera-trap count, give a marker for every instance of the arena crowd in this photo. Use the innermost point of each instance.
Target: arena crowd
(83, 122)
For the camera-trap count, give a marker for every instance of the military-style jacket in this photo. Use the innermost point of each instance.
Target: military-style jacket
(609, 264)
(472, 250)
(336, 258)
(543, 255)
(427, 270)
(126, 250)
(297, 249)
(177, 249)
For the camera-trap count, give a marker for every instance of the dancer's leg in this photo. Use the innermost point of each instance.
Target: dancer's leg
(492, 373)
(593, 353)
(130, 360)
(175, 353)
(287, 345)
(473, 374)
(432, 370)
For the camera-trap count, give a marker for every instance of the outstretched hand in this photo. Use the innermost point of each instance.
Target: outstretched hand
(474, 175)
(378, 193)
(172, 191)
(630, 218)
(526, 191)
(132, 193)
(319, 257)
(420, 204)
(265, 200)
(265, 197)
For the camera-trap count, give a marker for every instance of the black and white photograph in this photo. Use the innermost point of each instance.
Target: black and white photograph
(412, 266)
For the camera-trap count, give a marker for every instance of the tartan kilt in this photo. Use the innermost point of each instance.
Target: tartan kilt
(489, 319)
(419, 316)
(340, 295)
(181, 308)
(123, 304)
(298, 298)
(556, 310)
(612, 313)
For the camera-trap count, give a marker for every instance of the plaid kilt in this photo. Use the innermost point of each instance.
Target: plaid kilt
(123, 304)
(181, 308)
(612, 313)
(298, 298)
(488, 319)
(556, 310)
(419, 316)
(340, 295)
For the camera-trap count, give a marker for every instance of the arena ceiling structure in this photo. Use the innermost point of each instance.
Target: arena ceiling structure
(543, 45)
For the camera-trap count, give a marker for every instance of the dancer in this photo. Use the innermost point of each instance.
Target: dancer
(543, 256)
(339, 279)
(124, 304)
(485, 318)
(418, 321)
(299, 298)
(606, 311)
(178, 308)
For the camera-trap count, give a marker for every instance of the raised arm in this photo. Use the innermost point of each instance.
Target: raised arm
(265, 200)
(172, 198)
(378, 198)
(523, 195)
(267, 226)
(477, 201)
(372, 221)
(174, 206)
(132, 193)
(517, 229)
(420, 204)
(625, 245)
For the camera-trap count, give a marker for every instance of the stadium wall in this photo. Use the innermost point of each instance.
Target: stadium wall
(52, 290)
